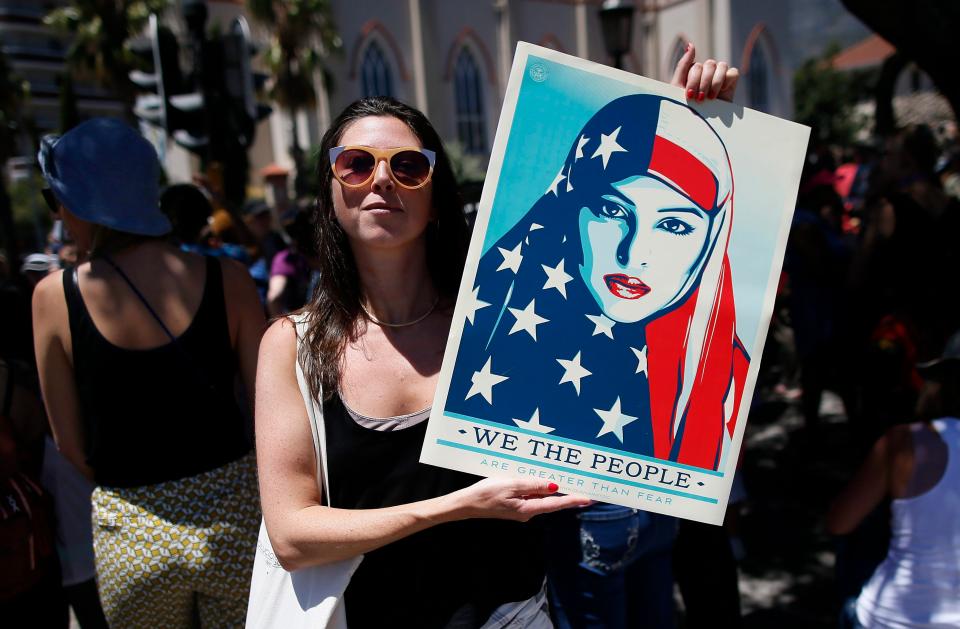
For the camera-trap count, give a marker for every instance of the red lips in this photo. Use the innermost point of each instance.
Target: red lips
(625, 286)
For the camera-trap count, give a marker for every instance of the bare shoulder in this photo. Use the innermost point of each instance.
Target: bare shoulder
(232, 269)
(897, 440)
(51, 284)
(48, 298)
(236, 277)
(51, 325)
(280, 339)
(244, 309)
(278, 397)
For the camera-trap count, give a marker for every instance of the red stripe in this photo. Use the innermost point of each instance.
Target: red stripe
(684, 171)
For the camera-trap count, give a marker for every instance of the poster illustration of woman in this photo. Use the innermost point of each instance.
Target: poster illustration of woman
(617, 292)
(606, 314)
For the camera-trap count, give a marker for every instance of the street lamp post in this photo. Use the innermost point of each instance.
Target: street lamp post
(616, 21)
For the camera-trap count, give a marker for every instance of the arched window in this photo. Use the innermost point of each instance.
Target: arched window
(759, 79)
(375, 76)
(468, 93)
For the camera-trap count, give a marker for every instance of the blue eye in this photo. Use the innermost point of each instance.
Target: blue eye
(610, 211)
(675, 226)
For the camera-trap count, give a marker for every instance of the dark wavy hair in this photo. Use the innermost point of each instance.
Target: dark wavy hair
(334, 311)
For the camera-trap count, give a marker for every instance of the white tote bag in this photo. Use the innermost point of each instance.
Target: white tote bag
(312, 597)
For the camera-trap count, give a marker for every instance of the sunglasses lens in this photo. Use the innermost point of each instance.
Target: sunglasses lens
(411, 168)
(354, 166)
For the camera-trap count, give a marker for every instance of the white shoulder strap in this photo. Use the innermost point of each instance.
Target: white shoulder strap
(313, 406)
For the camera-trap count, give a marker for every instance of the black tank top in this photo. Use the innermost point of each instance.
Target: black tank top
(460, 571)
(163, 413)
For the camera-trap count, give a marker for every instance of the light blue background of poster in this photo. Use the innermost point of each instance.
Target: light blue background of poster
(547, 122)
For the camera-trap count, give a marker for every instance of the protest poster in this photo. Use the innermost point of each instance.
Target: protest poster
(618, 288)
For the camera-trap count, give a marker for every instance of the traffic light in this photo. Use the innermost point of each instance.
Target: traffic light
(194, 131)
(213, 111)
(167, 103)
(160, 52)
(241, 83)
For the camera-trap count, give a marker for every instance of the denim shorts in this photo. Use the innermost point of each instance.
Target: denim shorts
(610, 566)
(613, 537)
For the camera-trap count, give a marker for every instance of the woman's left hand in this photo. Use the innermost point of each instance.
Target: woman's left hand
(708, 80)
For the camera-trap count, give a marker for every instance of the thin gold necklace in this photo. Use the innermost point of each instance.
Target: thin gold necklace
(405, 323)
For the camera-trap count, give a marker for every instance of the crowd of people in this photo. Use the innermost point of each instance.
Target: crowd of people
(866, 311)
(134, 476)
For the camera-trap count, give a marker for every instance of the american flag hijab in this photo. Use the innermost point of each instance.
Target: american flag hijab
(538, 350)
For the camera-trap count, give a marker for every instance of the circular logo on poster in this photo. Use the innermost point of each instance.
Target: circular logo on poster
(538, 73)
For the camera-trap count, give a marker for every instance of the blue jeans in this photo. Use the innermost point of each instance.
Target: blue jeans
(610, 566)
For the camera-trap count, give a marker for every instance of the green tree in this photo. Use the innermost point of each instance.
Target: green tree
(101, 31)
(467, 168)
(302, 36)
(824, 99)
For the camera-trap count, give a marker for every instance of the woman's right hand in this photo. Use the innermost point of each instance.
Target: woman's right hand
(710, 79)
(516, 499)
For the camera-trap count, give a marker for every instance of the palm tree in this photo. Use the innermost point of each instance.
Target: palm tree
(101, 30)
(302, 36)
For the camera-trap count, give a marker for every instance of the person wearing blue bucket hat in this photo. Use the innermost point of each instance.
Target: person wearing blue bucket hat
(107, 174)
(138, 348)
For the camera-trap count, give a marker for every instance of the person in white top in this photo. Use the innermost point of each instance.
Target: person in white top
(918, 467)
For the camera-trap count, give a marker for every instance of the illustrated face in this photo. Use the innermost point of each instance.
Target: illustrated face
(641, 244)
(381, 214)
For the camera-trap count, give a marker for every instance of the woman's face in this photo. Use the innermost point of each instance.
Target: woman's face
(382, 214)
(640, 246)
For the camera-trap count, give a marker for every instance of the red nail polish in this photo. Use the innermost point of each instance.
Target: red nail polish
(700, 97)
(552, 487)
(690, 94)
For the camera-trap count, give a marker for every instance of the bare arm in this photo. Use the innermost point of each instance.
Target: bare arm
(247, 321)
(302, 531)
(51, 335)
(275, 289)
(865, 490)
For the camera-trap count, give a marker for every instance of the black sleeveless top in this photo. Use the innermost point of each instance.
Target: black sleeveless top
(162, 413)
(452, 573)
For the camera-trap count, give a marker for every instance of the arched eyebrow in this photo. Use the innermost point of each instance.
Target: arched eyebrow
(686, 210)
(617, 198)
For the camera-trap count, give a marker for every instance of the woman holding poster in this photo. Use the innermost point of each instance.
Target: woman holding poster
(439, 549)
(605, 315)
(620, 267)
(392, 241)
